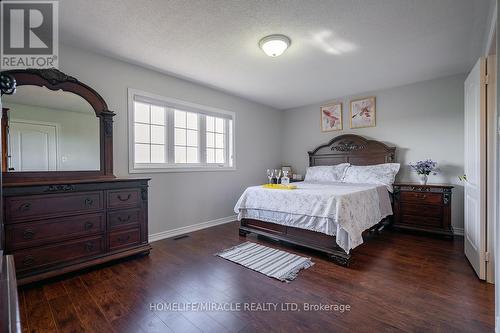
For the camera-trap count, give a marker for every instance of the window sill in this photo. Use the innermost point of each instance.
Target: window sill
(181, 169)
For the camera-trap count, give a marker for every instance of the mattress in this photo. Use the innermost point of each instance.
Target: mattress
(343, 210)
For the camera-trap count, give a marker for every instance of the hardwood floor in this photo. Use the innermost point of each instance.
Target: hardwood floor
(398, 282)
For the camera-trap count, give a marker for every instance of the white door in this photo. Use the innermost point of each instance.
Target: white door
(475, 168)
(32, 146)
(492, 165)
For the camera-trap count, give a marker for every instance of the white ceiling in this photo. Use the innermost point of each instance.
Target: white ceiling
(339, 47)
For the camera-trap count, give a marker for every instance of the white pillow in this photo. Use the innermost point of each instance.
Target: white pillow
(326, 173)
(383, 174)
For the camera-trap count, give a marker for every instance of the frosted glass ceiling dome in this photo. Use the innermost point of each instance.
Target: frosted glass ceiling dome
(274, 45)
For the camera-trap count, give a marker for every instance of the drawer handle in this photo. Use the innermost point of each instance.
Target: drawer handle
(124, 199)
(88, 202)
(25, 207)
(28, 234)
(89, 246)
(28, 261)
(124, 220)
(422, 196)
(123, 239)
(88, 225)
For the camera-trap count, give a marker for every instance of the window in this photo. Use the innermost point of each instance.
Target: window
(150, 129)
(216, 139)
(172, 135)
(186, 139)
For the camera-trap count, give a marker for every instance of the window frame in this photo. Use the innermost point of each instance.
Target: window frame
(170, 166)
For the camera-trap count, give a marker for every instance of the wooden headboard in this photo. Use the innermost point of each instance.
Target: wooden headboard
(354, 149)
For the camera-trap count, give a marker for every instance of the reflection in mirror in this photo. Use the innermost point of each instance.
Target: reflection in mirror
(50, 131)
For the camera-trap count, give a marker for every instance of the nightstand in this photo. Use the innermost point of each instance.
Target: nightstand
(423, 208)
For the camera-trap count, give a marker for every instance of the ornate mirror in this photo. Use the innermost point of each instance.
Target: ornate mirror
(54, 128)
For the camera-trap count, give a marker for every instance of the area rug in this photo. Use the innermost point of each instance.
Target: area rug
(274, 263)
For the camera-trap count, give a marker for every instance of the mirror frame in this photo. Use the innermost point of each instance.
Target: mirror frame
(54, 79)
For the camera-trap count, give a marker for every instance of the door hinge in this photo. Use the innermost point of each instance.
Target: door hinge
(487, 256)
(486, 79)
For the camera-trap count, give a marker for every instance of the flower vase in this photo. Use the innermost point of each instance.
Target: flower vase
(423, 179)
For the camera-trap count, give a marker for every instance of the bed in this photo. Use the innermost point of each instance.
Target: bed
(312, 219)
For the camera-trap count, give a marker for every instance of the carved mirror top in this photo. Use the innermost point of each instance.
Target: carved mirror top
(55, 80)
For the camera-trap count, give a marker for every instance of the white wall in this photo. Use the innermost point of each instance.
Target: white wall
(78, 137)
(182, 199)
(423, 120)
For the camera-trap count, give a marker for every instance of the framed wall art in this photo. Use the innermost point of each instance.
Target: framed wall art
(363, 112)
(331, 117)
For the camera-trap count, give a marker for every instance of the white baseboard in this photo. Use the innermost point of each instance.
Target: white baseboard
(190, 228)
(458, 231)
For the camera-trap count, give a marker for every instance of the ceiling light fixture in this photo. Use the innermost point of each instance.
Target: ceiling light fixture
(274, 45)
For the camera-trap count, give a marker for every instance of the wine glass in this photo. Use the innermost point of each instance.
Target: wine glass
(277, 174)
(270, 175)
(285, 180)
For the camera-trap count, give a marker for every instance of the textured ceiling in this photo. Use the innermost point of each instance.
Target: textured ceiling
(339, 47)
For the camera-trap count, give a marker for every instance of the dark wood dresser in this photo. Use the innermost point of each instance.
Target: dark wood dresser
(423, 208)
(56, 228)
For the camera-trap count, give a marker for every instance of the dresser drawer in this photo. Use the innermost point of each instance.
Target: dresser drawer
(124, 218)
(422, 198)
(127, 198)
(22, 235)
(421, 210)
(40, 206)
(125, 238)
(46, 256)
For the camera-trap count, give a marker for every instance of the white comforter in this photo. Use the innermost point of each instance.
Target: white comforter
(339, 209)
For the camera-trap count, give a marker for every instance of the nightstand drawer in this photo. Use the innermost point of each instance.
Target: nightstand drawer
(421, 210)
(423, 221)
(422, 198)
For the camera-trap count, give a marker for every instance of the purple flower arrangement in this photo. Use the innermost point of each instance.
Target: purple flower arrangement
(425, 167)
